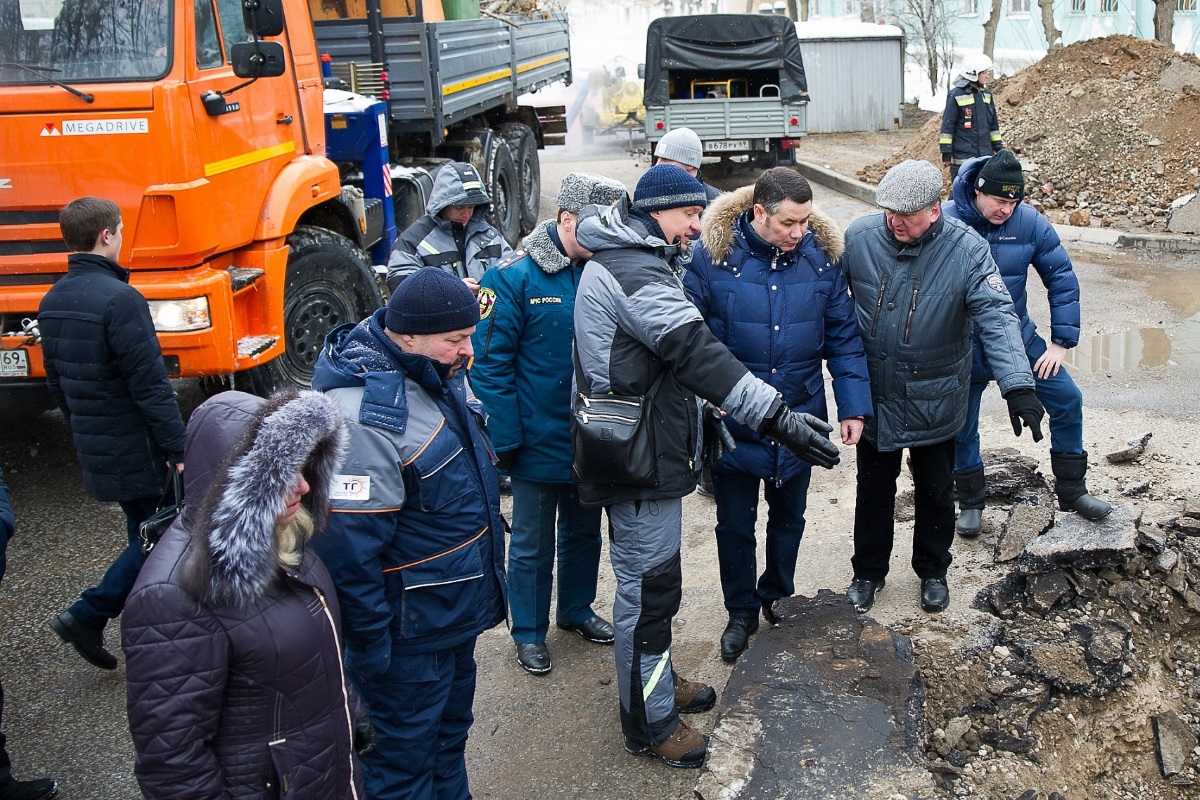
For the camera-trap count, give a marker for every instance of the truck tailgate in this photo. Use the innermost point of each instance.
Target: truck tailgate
(729, 118)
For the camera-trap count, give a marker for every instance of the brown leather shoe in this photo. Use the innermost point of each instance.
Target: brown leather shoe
(684, 748)
(693, 697)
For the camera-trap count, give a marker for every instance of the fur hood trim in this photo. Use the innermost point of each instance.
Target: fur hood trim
(235, 548)
(544, 251)
(717, 231)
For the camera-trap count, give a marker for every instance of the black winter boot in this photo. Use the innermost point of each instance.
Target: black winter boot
(1069, 470)
(972, 492)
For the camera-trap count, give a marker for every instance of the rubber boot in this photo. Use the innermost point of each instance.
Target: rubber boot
(972, 492)
(1069, 471)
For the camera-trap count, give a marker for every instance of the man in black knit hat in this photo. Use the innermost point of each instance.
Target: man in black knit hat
(415, 543)
(987, 196)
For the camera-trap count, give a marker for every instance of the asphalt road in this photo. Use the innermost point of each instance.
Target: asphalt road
(556, 736)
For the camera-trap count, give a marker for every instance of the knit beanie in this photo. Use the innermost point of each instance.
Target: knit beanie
(668, 186)
(579, 189)
(1001, 176)
(431, 300)
(909, 187)
(682, 145)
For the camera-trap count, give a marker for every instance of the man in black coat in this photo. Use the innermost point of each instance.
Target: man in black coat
(104, 368)
(11, 788)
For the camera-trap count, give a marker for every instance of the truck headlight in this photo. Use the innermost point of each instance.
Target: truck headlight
(180, 315)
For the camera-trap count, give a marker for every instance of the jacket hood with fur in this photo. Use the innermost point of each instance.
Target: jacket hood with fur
(242, 457)
(718, 229)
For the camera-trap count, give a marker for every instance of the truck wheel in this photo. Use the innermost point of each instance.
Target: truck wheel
(329, 282)
(503, 187)
(529, 170)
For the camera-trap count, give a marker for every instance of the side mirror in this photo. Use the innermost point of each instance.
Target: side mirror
(641, 72)
(258, 59)
(263, 17)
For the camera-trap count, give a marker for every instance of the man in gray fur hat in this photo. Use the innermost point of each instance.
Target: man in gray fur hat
(522, 374)
(920, 279)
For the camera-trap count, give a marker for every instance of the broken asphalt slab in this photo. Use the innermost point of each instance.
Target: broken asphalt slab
(828, 704)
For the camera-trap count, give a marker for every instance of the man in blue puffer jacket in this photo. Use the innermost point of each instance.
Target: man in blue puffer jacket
(522, 374)
(764, 279)
(987, 196)
(415, 542)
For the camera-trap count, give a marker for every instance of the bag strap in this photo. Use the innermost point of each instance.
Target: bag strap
(173, 487)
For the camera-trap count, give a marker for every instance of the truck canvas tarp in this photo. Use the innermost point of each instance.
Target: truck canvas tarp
(711, 43)
(737, 80)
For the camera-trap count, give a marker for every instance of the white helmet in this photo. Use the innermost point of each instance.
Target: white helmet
(974, 64)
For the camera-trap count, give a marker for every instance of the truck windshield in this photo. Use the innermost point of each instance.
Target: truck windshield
(84, 40)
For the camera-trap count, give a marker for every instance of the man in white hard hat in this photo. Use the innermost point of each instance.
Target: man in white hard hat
(970, 125)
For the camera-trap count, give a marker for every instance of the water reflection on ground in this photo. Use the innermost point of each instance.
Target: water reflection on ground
(1171, 346)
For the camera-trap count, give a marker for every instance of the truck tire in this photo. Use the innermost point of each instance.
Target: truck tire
(529, 170)
(504, 190)
(329, 282)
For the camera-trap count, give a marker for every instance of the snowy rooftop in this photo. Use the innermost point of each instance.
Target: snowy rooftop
(842, 28)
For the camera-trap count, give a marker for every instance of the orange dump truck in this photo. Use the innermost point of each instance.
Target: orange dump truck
(252, 222)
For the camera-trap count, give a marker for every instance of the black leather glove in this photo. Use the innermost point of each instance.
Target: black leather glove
(1024, 407)
(364, 737)
(504, 461)
(717, 439)
(947, 158)
(805, 436)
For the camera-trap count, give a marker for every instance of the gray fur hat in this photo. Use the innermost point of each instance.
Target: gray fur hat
(682, 145)
(909, 187)
(579, 189)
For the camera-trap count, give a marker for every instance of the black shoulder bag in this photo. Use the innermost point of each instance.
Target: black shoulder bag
(611, 437)
(169, 506)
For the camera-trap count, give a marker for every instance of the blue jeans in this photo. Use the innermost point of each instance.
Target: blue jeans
(1058, 393)
(736, 494)
(421, 710)
(531, 558)
(96, 606)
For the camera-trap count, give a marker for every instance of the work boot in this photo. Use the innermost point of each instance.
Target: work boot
(862, 593)
(39, 789)
(684, 748)
(736, 637)
(972, 492)
(1069, 470)
(88, 642)
(693, 697)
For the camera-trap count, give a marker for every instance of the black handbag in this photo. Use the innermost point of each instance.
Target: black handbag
(169, 506)
(611, 438)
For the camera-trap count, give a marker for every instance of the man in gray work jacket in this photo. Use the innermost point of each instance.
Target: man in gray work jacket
(920, 280)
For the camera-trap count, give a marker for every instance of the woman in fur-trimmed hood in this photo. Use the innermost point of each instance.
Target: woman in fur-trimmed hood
(766, 281)
(232, 631)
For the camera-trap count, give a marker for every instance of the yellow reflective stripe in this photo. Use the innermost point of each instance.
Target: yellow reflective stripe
(987, 98)
(659, 668)
(541, 62)
(965, 99)
(428, 248)
(246, 159)
(451, 88)
(995, 137)
(945, 140)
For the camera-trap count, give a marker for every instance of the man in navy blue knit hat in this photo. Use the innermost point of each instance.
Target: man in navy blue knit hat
(415, 542)
(638, 337)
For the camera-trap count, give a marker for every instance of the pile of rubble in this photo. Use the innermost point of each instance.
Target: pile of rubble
(1106, 130)
(1086, 670)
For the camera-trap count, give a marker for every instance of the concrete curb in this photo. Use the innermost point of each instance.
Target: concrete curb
(1104, 237)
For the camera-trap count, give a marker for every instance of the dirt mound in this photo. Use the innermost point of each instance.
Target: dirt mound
(1108, 125)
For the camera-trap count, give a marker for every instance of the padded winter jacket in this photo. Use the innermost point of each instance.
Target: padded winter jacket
(781, 314)
(636, 330)
(105, 370)
(970, 124)
(916, 303)
(416, 540)
(522, 369)
(431, 240)
(233, 661)
(1025, 238)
